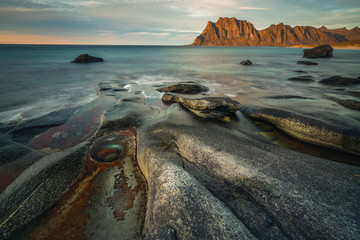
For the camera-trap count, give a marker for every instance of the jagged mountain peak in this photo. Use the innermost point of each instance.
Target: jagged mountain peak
(232, 32)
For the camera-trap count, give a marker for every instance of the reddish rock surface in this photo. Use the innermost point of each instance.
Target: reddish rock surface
(233, 32)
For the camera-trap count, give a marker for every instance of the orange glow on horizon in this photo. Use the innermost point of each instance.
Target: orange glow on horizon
(14, 38)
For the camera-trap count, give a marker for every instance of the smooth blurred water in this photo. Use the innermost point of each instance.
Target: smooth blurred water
(38, 79)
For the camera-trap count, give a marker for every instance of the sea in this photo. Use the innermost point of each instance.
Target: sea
(38, 79)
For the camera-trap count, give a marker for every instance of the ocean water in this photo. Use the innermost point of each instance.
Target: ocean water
(38, 79)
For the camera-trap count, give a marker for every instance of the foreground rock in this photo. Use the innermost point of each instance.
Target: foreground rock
(207, 107)
(246, 63)
(310, 129)
(306, 78)
(338, 80)
(185, 87)
(307, 63)
(203, 180)
(323, 51)
(85, 58)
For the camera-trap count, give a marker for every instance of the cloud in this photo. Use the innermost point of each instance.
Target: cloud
(252, 8)
(149, 34)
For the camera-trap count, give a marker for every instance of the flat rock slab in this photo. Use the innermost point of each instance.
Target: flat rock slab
(185, 88)
(86, 58)
(206, 107)
(340, 81)
(307, 63)
(323, 51)
(345, 100)
(309, 129)
(306, 78)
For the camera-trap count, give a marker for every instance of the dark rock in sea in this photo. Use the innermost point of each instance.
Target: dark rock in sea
(287, 97)
(246, 62)
(206, 107)
(85, 58)
(306, 78)
(185, 87)
(338, 80)
(307, 63)
(309, 129)
(300, 71)
(323, 51)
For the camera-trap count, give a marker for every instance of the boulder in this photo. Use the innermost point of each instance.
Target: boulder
(85, 58)
(323, 51)
(206, 107)
(246, 62)
(339, 80)
(185, 87)
(306, 78)
(307, 63)
(310, 129)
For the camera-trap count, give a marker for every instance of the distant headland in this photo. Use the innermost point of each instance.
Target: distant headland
(232, 32)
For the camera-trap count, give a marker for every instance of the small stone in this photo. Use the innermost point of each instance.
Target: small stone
(306, 78)
(307, 63)
(246, 63)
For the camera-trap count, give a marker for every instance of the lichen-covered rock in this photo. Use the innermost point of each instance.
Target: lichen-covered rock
(185, 87)
(323, 51)
(206, 107)
(339, 80)
(86, 58)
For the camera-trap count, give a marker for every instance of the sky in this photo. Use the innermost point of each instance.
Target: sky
(156, 22)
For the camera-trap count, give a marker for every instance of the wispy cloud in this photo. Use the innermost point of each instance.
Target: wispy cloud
(252, 8)
(149, 34)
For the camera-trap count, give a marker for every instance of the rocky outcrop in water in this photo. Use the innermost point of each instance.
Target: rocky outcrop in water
(323, 51)
(246, 62)
(185, 87)
(86, 58)
(307, 63)
(306, 78)
(339, 80)
(233, 32)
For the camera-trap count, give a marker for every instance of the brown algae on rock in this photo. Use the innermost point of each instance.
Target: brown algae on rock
(108, 202)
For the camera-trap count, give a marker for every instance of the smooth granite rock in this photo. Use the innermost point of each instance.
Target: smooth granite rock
(206, 107)
(39, 187)
(323, 51)
(206, 179)
(309, 129)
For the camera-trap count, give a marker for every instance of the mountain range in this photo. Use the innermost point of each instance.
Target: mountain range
(232, 32)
